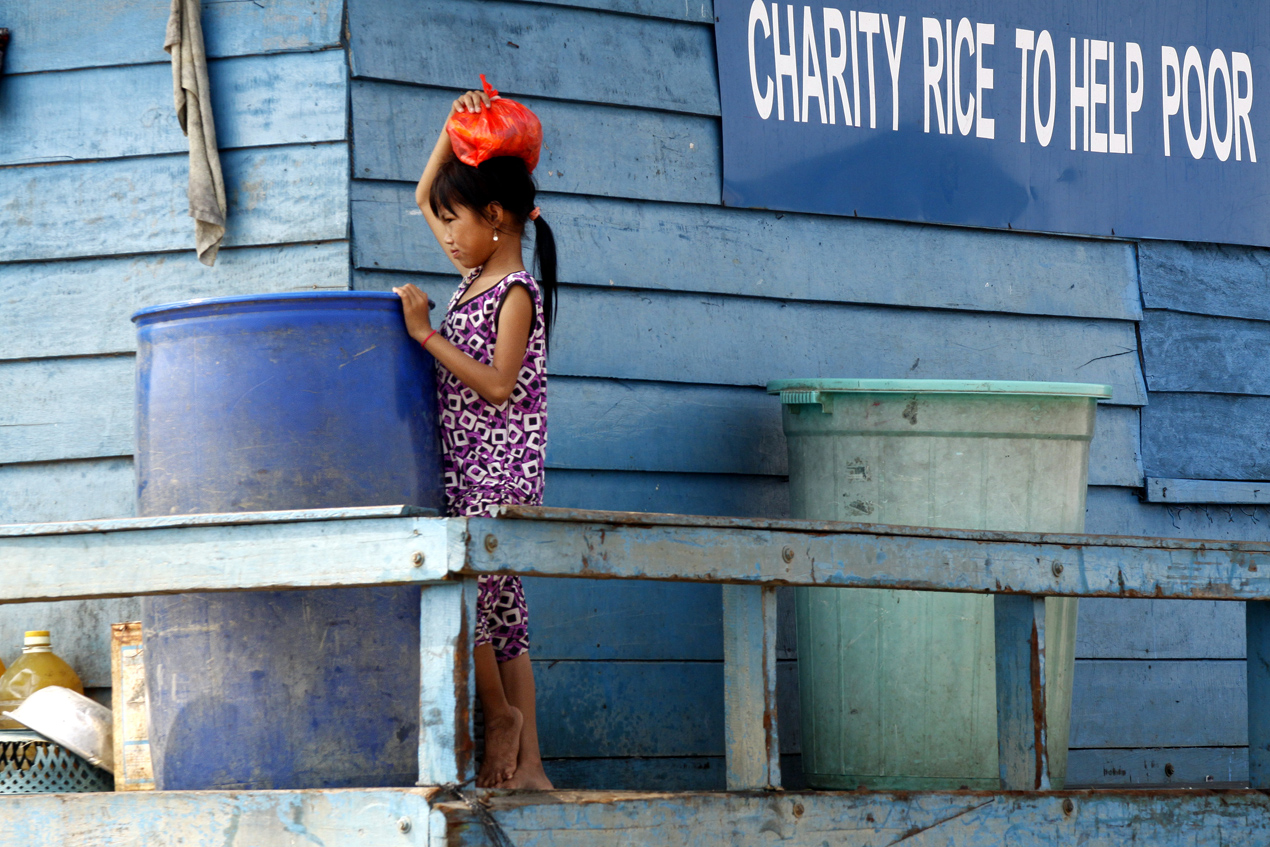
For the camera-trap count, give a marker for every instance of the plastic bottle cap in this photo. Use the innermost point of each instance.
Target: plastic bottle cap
(37, 638)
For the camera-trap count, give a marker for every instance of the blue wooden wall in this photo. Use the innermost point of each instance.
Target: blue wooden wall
(674, 313)
(93, 225)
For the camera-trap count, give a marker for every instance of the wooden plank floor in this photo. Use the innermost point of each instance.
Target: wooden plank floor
(426, 817)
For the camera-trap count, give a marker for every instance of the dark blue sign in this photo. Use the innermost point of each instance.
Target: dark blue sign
(1135, 118)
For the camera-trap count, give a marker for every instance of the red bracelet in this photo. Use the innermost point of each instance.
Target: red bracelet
(424, 342)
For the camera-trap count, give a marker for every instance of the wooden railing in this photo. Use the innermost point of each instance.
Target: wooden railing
(399, 545)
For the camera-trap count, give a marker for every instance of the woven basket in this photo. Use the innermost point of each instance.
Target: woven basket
(31, 764)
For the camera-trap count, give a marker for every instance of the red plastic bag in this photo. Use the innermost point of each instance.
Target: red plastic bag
(503, 128)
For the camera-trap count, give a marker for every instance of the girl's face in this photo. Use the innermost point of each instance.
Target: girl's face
(469, 236)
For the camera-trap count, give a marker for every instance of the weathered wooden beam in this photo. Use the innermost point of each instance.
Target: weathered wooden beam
(1022, 754)
(634, 546)
(749, 687)
(447, 683)
(1258, 635)
(122, 559)
(325, 548)
(1207, 491)
(349, 818)
(865, 819)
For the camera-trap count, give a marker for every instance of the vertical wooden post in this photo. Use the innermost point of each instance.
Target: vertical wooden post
(1021, 731)
(1257, 618)
(446, 682)
(749, 687)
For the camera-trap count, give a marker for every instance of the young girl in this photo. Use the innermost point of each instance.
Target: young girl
(491, 351)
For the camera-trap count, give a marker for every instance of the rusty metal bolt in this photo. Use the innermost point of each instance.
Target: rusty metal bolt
(1068, 806)
(491, 543)
(787, 554)
(418, 560)
(404, 825)
(798, 810)
(1168, 768)
(1057, 568)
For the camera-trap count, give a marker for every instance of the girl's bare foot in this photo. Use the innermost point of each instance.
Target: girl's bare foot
(529, 776)
(502, 747)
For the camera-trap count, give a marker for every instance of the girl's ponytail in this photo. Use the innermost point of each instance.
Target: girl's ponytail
(545, 263)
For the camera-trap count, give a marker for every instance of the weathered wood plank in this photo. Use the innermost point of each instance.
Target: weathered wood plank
(735, 251)
(1215, 767)
(746, 341)
(281, 516)
(624, 620)
(600, 424)
(82, 307)
(602, 709)
(64, 34)
(1201, 353)
(857, 819)
(648, 773)
(53, 491)
(697, 494)
(1210, 491)
(212, 558)
(563, 53)
(640, 154)
(1022, 735)
(1206, 436)
(59, 409)
(1208, 279)
(589, 710)
(749, 688)
(1127, 704)
(277, 195)
(701, 11)
(446, 683)
(80, 631)
(357, 818)
(106, 113)
(1258, 670)
(1159, 629)
(1119, 511)
(738, 551)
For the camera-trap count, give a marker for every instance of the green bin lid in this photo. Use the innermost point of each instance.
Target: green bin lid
(943, 386)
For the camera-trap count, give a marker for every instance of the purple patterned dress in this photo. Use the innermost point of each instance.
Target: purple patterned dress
(494, 455)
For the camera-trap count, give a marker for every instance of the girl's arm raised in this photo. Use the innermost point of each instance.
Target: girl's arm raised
(442, 152)
(493, 382)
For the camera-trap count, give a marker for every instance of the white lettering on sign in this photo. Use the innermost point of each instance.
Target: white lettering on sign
(894, 53)
(1211, 90)
(1220, 82)
(836, 64)
(932, 72)
(762, 102)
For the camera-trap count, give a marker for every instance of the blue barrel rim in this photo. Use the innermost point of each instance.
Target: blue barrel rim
(275, 301)
(942, 386)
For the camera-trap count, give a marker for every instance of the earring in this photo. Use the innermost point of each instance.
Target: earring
(495, 235)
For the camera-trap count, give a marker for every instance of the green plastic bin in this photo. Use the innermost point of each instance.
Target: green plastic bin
(898, 688)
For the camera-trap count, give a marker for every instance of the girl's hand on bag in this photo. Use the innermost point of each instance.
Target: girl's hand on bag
(415, 306)
(472, 101)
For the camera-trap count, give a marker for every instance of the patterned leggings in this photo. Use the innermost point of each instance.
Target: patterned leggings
(502, 616)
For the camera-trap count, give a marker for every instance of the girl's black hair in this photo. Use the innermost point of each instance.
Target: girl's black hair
(504, 180)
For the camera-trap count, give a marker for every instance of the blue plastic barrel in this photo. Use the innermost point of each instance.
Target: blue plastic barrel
(283, 401)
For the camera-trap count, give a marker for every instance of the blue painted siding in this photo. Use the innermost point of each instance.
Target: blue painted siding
(675, 313)
(93, 210)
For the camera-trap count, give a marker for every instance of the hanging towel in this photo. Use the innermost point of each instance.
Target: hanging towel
(184, 42)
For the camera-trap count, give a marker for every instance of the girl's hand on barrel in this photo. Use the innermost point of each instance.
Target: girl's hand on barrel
(472, 101)
(415, 306)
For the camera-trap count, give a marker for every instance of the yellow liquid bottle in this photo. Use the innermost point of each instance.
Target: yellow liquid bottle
(38, 667)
